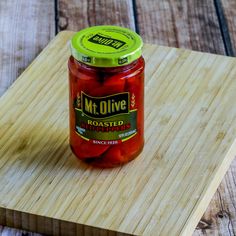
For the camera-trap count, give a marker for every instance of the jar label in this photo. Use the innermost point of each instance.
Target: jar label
(105, 120)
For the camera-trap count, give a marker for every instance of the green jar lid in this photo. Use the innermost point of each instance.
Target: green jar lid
(106, 46)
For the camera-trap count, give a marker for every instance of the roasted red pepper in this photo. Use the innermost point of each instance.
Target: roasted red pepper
(106, 102)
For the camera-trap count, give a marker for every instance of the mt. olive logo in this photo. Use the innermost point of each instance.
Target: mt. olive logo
(101, 107)
(106, 41)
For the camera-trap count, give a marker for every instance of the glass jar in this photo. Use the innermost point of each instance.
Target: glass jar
(106, 95)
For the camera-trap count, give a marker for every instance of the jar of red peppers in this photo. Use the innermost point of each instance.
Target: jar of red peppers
(106, 83)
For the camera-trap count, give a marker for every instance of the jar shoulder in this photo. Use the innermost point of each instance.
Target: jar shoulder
(78, 67)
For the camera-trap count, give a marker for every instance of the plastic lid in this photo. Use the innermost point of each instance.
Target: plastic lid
(106, 46)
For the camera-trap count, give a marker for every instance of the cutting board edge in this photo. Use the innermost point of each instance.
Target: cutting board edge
(203, 203)
(36, 223)
(22, 75)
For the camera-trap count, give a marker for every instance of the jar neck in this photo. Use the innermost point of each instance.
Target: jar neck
(107, 69)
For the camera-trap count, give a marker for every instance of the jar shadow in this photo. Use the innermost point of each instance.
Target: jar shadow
(51, 154)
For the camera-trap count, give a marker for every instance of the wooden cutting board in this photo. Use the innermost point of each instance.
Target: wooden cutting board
(190, 142)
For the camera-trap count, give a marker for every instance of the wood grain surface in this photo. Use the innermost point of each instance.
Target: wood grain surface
(6, 231)
(228, 12)
(25, 29)
(167, 22)
(186, 24)
(77, 14)
(190, 143)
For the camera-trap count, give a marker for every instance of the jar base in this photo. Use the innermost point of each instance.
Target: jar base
(99, 162)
